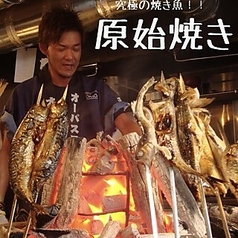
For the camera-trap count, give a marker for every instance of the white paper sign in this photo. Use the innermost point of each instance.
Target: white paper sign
(25, 64)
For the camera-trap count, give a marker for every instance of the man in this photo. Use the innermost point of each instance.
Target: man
(90, 101)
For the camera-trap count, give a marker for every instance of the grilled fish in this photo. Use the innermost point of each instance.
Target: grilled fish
(225, 158)
(232, 166)
(184, 126)
(36, 146)
(147, 145)
(193, 140)
(29, 133)
(174, 119)
(165, 118)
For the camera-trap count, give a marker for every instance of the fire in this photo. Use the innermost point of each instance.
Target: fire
(115, 185)
(105, 200)
(104, 191)
(106, 196)
(168, 222)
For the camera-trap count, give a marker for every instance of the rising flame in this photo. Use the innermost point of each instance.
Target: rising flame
(105, 196)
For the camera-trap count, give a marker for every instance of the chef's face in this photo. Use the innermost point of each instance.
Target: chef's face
(64, 56)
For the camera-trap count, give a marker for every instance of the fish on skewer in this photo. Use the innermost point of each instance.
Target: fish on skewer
(232, 167)
(165, 119)
(177, 121)
(171, 116)
(179, 108)
(230, 161)
(225, 156)
(193, 142)
(218, 160)
(147, 145)
(145, 152)
(36, 147)
(150, 128)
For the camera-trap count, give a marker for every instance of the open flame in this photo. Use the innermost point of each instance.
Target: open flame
(105, 196)
(104, 190)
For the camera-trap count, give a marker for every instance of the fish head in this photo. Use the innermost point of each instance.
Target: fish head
(167, 87)
(59, 109)
(40, 113)
(233, 150)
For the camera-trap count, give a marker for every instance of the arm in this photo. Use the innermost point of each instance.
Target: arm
(117, 114)
(4, 175)
(4, 171)
(126, 124)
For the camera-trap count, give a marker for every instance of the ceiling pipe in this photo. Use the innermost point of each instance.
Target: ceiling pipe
(9, 3)
(19, 23)
(201, 10)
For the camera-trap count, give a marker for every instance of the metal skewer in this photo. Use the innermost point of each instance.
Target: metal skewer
(174, 203)
(205, 210)
(152, 204)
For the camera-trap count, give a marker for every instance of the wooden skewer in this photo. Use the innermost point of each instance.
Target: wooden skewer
(14, 204)
(223, 215)
(29, 220)
(205, 210)
(28, 225)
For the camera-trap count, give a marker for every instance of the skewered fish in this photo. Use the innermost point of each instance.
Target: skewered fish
(147, 145)
(193, 141)
(182, 126)
(226, 159)
(145, 152)
(232, 165)
(165, 119)
(36, 147)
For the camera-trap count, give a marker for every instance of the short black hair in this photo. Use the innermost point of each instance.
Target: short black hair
(55, 22)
